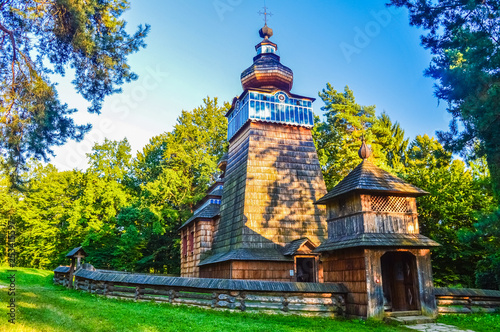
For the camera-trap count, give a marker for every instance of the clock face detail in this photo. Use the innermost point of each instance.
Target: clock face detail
(281, 97)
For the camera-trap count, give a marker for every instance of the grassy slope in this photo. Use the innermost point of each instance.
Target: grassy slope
(45, 307)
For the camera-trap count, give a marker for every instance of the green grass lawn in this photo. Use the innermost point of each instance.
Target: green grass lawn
(476, 322)
(42, 306)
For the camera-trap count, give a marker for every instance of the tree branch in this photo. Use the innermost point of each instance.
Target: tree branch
(14, 48)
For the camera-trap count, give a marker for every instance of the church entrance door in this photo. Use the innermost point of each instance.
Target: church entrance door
(399, 281)
(305, 269)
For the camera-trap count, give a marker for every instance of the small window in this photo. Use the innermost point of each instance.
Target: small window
(184, 245)
(191, 242)
(390, 204)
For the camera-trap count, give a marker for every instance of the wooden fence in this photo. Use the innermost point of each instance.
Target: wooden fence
(61, 276)
(318, 299)
(467, 300)
(324, 299)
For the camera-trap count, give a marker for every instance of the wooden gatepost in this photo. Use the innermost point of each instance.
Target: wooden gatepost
(77, 254)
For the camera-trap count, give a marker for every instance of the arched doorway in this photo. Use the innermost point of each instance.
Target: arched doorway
(400, 281)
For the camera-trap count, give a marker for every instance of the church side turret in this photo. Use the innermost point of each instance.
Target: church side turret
(374, 246)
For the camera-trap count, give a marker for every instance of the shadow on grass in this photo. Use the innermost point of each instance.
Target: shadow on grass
(55, 308)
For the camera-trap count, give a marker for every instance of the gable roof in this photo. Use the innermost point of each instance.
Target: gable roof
(367, 177)
(247, 254)
(293, 247)
(74, 251)
(208, 212)
(377, 240)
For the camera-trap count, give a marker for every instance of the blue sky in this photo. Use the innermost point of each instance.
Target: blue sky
(198, 48)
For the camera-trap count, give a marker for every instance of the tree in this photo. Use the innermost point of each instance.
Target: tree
(9, 203)
(38, 38)
(41, 216)
(103, 195)
(339, 137)
(464, 39)
(173, 172)
(390, 138)
(458, 197)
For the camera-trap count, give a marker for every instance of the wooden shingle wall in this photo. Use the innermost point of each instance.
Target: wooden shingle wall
(203, 232)
(220, 270)
(231, 221)
(284, 179)
(349, 267)
(273, 177)
(187, 258)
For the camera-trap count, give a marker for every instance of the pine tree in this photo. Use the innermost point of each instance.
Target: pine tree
(38, 38)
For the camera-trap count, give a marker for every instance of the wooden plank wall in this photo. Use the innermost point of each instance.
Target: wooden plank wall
(352, 215)
(348, 205)
(270, 271)
(348, 267)
(391, 222)
(220, 270)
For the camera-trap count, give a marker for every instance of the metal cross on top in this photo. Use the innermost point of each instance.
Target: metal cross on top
(265, 13)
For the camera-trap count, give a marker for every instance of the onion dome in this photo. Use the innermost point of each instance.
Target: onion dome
(266, 70)
(364, 151)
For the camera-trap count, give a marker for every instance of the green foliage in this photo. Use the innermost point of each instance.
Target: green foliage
(39, 38)
(172, 173)
(42, 214)
(339, 137)
(486, 234)
(457, 197)
(125, 212)
(460, 194)
(464, 39)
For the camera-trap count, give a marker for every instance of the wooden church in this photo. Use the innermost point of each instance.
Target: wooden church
(269, 216)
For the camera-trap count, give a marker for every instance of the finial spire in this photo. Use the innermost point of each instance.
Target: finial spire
(265, 13)
(364, 151)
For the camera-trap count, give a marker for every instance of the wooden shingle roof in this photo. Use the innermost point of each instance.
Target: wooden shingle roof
(367, 177)
(208, 212)
(377, 240)
(247, 254)
(215, 284)
(62, 269)
(294, 246)
(74, 251)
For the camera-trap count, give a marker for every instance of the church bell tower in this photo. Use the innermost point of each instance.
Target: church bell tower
(269, 224)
